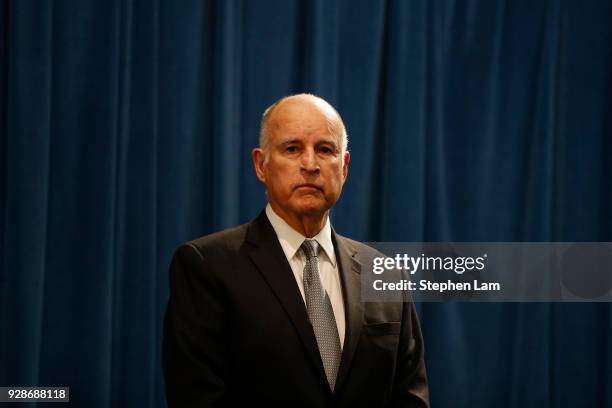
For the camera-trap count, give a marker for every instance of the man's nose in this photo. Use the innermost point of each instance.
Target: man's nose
(309, 161)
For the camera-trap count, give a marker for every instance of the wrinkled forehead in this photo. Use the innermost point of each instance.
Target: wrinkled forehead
(303, 117)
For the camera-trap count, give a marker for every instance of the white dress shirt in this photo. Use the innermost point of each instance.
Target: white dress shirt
(291, 241)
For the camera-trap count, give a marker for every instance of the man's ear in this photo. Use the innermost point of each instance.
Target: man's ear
(258, 162)
(345, 164)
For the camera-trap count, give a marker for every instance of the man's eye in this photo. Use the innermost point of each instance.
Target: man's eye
(291, 149)
(326, 150)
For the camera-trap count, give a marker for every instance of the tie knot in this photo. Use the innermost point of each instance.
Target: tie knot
(310, 248)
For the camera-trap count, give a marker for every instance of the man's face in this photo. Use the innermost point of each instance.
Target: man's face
(304, 170)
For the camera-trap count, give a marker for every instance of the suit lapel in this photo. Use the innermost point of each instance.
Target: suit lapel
(350, 271)
(271, 262)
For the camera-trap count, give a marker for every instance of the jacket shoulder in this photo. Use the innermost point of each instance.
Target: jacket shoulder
(226, 241)
(356, 246)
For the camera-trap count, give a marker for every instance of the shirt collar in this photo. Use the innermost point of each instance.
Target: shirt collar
(291, 240)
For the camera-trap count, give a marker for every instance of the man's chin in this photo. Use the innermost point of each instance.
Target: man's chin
(311, 209)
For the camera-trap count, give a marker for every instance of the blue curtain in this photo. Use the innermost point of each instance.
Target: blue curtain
(126, 128)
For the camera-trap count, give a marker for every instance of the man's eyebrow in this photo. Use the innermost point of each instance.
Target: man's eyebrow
(289, 141)
(292, 140)
(329, 141)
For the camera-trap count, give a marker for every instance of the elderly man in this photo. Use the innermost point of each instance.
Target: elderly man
(269, 313)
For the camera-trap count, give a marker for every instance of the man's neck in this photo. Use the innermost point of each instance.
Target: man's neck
(307, 225)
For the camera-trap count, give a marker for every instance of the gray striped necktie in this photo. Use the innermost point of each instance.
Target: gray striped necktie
(321, 313)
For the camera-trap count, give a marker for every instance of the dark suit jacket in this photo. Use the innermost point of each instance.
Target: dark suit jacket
(237, 332)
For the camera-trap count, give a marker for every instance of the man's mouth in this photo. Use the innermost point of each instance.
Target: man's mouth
(308, 186)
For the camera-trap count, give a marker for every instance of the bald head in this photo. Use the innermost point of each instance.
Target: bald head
(293, 106)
